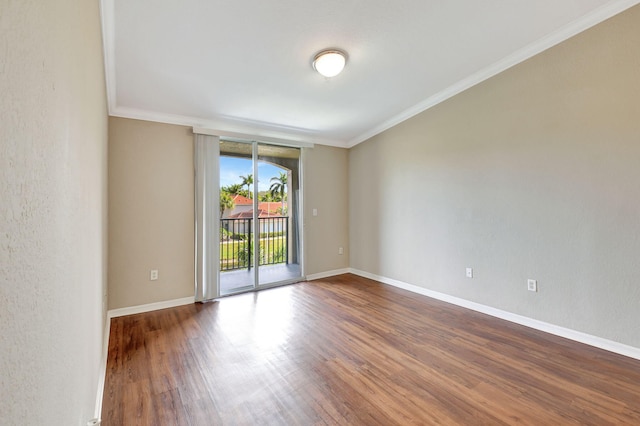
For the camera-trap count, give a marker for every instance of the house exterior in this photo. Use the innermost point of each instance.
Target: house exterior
(238, 219)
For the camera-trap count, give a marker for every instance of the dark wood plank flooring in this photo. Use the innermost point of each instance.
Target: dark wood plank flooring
(348, 350)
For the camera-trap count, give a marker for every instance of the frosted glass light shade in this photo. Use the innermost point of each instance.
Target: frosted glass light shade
(329, 63)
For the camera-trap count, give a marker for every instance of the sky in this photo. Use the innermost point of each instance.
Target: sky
(231, 168)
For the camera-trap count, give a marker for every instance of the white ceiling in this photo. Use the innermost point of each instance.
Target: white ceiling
(245, 65)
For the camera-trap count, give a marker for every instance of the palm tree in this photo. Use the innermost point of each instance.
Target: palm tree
(247, 180)
(278, 188)
(233, 189)
(266, 197)
(226, 202)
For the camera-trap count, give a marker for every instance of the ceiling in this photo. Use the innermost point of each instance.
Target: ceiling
(244, 66)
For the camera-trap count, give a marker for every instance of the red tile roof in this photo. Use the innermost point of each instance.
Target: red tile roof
(271, 206)
(249, 214)
(242, 215)
(241, 200)
(265, 209)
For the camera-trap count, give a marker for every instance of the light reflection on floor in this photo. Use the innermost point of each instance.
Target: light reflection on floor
(267, 325)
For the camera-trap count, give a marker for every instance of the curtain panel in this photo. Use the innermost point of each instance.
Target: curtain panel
(207, 197)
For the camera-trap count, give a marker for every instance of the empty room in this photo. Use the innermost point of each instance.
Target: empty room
(301, 213)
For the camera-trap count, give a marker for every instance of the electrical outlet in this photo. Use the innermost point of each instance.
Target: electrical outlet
(469, 272)
(153, 275)
(314, 212)
(532, 285)
(340, 250)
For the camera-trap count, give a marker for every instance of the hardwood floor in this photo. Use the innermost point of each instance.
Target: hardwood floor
(348, 350)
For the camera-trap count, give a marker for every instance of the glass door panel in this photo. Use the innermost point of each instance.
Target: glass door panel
(278, 221)
(237, 261)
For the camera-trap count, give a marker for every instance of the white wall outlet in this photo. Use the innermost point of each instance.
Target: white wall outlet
(469, 272)
(314, 212)
(532, 285)
(340, 250)
(153, 275)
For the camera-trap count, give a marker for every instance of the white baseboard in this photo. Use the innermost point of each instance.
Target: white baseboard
(574, 335)
(113, 313)
(567, 333)
(327, 274)
(131, 310)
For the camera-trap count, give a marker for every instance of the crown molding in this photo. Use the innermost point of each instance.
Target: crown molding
(225, 127)
(243, 137)
(589, 20)
(231, 124)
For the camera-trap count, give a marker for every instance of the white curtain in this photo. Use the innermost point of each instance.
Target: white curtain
(207, 199)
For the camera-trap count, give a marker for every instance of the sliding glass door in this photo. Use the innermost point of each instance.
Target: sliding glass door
(260, 242)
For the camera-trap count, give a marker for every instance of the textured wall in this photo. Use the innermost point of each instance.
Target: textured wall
(531, 174)
(151, 211)
(53, 135)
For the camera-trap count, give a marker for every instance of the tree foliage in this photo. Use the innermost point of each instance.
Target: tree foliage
(278, 189)
(226, 201)
(234, 189)
(248, 181)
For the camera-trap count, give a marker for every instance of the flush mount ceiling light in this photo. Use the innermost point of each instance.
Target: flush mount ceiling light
(329, 63)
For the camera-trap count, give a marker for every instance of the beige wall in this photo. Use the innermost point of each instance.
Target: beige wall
(150, 212)
(151, 216)
(326, 189)
(53, 136)
(531, 174)
(534, 173)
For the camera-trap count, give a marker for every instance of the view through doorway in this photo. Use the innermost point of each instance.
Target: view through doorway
(260, 242)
